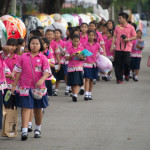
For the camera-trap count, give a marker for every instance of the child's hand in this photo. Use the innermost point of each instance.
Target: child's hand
(81, 57)
(39, 83)
(13, 89)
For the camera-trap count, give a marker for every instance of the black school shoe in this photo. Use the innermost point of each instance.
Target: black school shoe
(74, 99)
(24, 136)
(90, 97)
(86, 98)
(37, 135)
(30, 129)
(81, 92)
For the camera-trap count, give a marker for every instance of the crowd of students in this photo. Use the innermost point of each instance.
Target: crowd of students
(30, 65)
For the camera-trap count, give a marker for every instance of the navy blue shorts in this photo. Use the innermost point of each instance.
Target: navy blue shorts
(30, 102)
(75, 78)
(90, 73)
(65, 69)
(48, 84)
(135, 63)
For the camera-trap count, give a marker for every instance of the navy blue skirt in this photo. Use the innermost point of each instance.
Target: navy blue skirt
(90, 73)
(30, 102)
(60, 74)
(75, 78)
(135, 63)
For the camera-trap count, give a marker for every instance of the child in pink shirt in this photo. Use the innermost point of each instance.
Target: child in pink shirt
(32, 70)
(83, 33)
(90, 67)
(62, 46)
(104, 32)
(136, 54)
(75, 67)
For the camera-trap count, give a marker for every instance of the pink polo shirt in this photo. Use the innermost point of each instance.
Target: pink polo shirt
(63, 45)
(105, 37)
(99, 38)
(135, 52)
(94, 49)
(74, 65)
(40, 66)
(83, 39)
(3, 70)
(54, 47)
(11, 62)
(129, 32)
(108, 46)
(50, 56)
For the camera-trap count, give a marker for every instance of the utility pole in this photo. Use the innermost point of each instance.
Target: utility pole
(13, 7)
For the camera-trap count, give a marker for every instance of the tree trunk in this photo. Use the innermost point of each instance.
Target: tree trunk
(105, 3)
(51, 6)
(4, 7)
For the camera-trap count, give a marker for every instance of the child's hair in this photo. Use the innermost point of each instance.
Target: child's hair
(105, 25)
(12, 42)
(72, 32)
(20, 41)
(84, 24)
(139, 31)
(134, 25)
(124, 15)
(69, 24)
(46, 41)
(36, 33)
(89, 31)
(32, 38)
(99, 25)
(49, 30)
(75, 36)
(58, 31)
(111, 32)
(39, 28)
(93, 22)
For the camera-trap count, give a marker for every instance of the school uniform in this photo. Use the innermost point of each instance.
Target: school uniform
(75, 67)
(40, 66)
(83, 39)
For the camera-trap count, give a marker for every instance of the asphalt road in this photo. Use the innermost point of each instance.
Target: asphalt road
(117, 119)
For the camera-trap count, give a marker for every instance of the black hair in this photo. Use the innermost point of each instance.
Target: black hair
(39, 28)
(93, 22)
(70, 29)
(84, 24)
(49, 30)
(75, 36)
(60, 31)
(99, 24)
(111, 32)
(69, 24)
(20, 41)
(134, 25)
(105, 25)
(72, 32)
(12, 42)
(89, 31)
(46, 40)
(129, 21)
(32, 38)
(139, 31)
(36, 33)
(124, 15)
(112, 23)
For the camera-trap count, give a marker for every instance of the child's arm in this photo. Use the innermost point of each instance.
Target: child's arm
(69, 57)
(140, 47)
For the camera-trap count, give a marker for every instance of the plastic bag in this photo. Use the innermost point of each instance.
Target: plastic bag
(104, 64)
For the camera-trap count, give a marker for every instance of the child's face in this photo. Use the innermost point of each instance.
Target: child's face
(45, 46)
(49, 36)
(92, 26)
(35, 46)
(67, 32)
(57, 34)
(104, 30)
(91, 36)
(75, 42)
(84, 28)
(139, 34)
(109, 25)
(109, 35)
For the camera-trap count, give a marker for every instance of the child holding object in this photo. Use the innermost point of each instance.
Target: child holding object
(32, 70)
(75, 67)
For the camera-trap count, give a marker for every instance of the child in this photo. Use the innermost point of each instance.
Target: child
(49, 34)
(62, 46)
(109, 54)
(68, 31)
(83, 33)
(51, 60)
(20, 46)
(90, 68)
(104, 32)
(32, 71)
(136, 54)
(75, 67)
(41, 29)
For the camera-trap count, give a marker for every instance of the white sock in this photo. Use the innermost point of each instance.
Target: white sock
(82, 88)
(86, 93)
(24, 130)
(53, 87)
(30, 124)
(56, 90)
(67, 88)
(90, 93)
(75, 95)
(37, 127)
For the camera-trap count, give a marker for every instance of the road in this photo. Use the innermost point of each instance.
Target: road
(117, 119)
